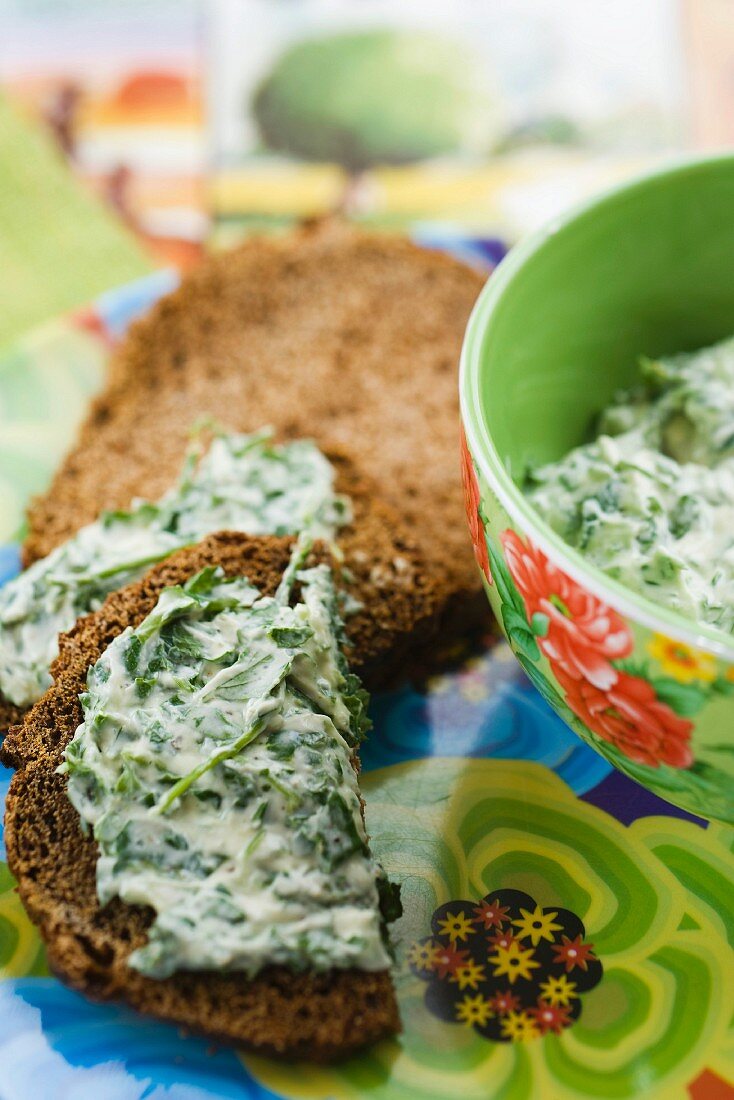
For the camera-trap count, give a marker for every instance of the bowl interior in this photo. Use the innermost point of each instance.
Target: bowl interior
(648, 269)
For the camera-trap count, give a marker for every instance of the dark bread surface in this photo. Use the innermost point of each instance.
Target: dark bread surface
(402, 597)
(319, 1017)
(346, 337)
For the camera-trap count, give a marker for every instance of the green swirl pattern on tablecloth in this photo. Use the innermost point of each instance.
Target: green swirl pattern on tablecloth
(21, 951)
(648, 896)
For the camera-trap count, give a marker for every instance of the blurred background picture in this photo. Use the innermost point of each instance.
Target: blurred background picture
(478, 116)
(195, 122)
(120, 88)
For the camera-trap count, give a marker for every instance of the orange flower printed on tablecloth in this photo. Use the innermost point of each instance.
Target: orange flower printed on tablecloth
(491, 914)
(573, 953)
(550, 1017)
(449, 960)
(505, 1002)
(501, 939)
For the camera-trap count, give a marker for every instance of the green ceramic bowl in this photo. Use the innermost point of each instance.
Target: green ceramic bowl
(648, 268)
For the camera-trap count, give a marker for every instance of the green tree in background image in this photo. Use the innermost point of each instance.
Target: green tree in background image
(378, 97)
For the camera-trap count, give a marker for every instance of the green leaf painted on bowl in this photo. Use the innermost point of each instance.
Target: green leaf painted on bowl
(685, 699)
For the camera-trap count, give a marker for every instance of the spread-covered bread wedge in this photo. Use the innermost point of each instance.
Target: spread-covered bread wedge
(238, 482)
(185, 824)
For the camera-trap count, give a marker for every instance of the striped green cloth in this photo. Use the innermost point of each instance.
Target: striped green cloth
(59, 247)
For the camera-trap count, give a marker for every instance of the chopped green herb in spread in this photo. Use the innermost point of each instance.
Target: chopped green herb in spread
(651, 500)
(243, 483)
(215, 767)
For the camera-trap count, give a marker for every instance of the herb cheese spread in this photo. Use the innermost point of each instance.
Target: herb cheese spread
(242, 483)
(215, 767)
(651, 500)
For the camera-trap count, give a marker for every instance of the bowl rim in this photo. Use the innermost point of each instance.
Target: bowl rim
(635, 607)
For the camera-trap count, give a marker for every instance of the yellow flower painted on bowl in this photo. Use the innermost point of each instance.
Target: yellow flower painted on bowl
(519, 1027)
(514, 961)
(536, 925)
(474, 1010)
(684, 663)
(456, 926)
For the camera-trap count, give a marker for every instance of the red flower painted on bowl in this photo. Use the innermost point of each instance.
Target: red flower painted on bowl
(582, 635)
(630, 716)
(471, 501)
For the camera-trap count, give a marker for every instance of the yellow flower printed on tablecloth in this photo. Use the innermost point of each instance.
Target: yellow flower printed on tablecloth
(514, 961)
(558, 991)
(424, 956)
(474, 1010)
(468, 976)
(519, 1027)
(457, 926)
(684, 663)
(536, 925)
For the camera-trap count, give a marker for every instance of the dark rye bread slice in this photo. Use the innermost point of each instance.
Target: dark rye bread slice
(402, 597)
(329, 333)
(314, 1016)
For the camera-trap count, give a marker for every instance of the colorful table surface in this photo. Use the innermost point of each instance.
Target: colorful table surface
(566, 934)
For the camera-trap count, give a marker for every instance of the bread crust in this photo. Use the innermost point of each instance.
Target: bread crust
(315, 1016)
